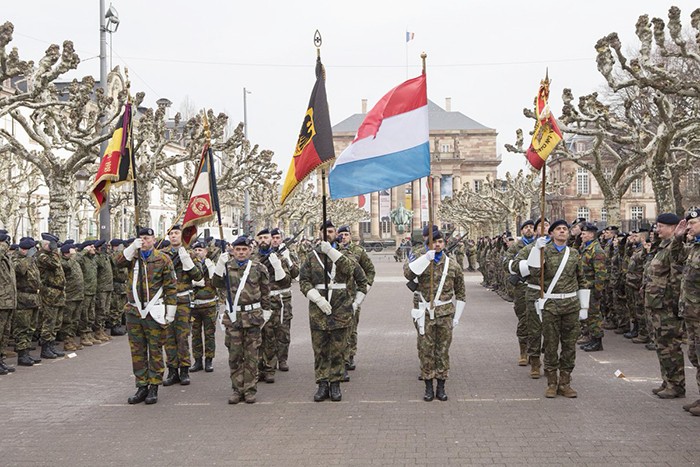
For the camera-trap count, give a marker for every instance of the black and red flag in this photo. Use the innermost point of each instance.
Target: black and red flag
(315, 143)
(115, 167)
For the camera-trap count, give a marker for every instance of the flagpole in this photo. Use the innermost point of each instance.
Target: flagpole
(431, 220)
(542, 201)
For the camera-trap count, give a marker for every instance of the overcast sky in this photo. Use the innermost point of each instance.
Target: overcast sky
(488, 56)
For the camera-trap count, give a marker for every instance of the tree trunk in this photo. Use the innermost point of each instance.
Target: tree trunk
(660, 176)
(144, 193)
(613, 208)
(59, 185)
(677, 194)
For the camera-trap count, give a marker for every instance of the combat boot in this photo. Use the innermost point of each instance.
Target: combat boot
(35, 359)
(104, 337)
(650, 346)
(429, 392)
(3, 370)
(695, 411)
(323, 392)
(282, 365)
(46, 351)
(551, 391)
(152, 396)
(208, 365)
(172, 378)
(641, 339)
(596, 345)
(336, 394)
(95, 338)
(197, 365)
(140, 396)
(440, 393)
(235, 398)
(249, 398)
(185, 376)
(522, 360)
(565, 388)
(69, 345)
(687, 407)
(346, 376)
(632, 333)
(86, 341)
(535, 366)
(351, 363)
(23, 358)
(671, 392)
(659, 389)
(583, 340)
(58, 353)
(5, 367)
(117, 331)
(269, 378)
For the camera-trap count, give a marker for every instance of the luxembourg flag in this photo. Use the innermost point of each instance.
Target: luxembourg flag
(391, 147)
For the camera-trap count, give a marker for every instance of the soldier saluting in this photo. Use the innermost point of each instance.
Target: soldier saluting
(52, 294)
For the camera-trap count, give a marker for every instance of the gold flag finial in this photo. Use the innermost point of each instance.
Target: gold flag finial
(205, 123)
(423, 56)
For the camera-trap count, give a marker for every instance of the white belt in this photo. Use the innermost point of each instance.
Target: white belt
(559, 296)
(252, 307)
(533, 286)
(184, 294)
(331, 286)
(274, 293)
(204, 302)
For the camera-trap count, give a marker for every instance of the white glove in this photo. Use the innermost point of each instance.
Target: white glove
(541, 242)
(421, 263)
(326, 247)
(584, 299)
(459, 308)
(285, 254)
(368, 287)
(199, 283)
(430, 254)
(210, 267)
(186, 259)
(533, 259)
(359, 298)
(524, 269)
(315, 296)
(267, 314)
(331, 252)
(170, 313)
(220, 268)
(277, 266)
(130, 251)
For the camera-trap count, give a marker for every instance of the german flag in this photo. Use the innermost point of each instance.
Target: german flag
(115, 167)
(315, 143)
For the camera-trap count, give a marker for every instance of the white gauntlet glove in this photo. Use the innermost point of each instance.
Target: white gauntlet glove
(359, 298)
(131, 250)
(285, 254)
(220, 268)
(199, 283)
(277, 266)
(315, 296)
(533, 259)
(170, 313)
(210, 267)
(331, 252)
(459, 308)
(187, 262)
(584, 299)
(267, 314)
(421, 263)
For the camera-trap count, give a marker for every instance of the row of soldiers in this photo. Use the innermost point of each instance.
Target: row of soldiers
(58, 291)
(644, 285)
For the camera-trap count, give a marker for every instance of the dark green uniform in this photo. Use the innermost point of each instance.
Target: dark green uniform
(52, 292)
(511, 267)
(74, 297)
(87, 309)
(633, 282)
(8, 291)
(119, 276)
(690, 303)
(593, 262)
(28, 285)
(204, 312)
(103, 297)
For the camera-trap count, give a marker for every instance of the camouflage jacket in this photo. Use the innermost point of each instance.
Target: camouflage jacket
(159, 273)
(593, 264)
(571, 280)
(8, 281)
(74, 279)
(662, 277)
(690, 282)
(105, 278)
(119, 275)
(635, 267)
(53, 281)
(531, 279)
(255, 290)
(510, 265)
(184, 278)
(346, 272)
(28, 280)
(360, 256)
(203, 295)
(290, 272)
(89, 266)
(453, 287)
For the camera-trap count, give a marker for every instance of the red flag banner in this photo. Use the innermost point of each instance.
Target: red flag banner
(115, 166)
(200, 208)
(546, 135)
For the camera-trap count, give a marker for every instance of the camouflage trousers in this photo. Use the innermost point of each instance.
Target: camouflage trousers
(87, 314)
(71, 317)
(668, 333)
(692, 327)
(472, 261)
(635, 307)
(434, 347)
(284, 336)
(177, 338)
(23, 327)
(49, 315)
(650, 324)
(269, 347)
(116, 311)
(619, 314)
(534, 325)
(103, 302)
(243, 344)
(204, 323)
(329, 354)
(560, 330)
(146, 344)
(520, 309)
(5, 322)
(352, 337)
(594, 323)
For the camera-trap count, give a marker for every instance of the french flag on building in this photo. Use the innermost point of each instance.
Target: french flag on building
(391, 147)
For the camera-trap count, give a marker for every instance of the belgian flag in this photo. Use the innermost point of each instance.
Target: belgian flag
(315, 143)
(115, 166)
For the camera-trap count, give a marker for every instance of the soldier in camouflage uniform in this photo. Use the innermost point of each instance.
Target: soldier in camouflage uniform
(118, 297)
(105, 286)
(562, 306)
(593, 261)
(457, 251)
(527, 231)
(347, 247)
(204, 312)
(690, 293)
(470, 253)
(285, 298)
(8, 295)
(249, 288)
(74, 296)
(633, 278)
(152, 302)
(177, 342)
(28, 285)
(88, 265)
(439, 282)
(607, 304)
(52, 293)
(661, 295)
(326, 279)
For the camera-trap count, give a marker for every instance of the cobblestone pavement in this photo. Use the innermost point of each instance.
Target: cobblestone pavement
(74, 411)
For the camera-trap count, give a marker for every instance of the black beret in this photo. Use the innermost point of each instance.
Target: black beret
(27, 243)
(275, 231)
(611, 227)
(425, 230)
(264, 231)
(129, 241)
(208, 239)
(99, 243)
(175, 227)
(49, 237)
(526, 223)
(693, 214)
(69, 241)
(4, 237)
(199, 244)
(344, 228)
(164, 244)
(146, 231)
(588, 227)
(3, 231)
(642, 230)
(67, 247)
(622, 235)
(437, 235)
(327, 225)
(13, 247)
(115, 242)
(539, 219)
(242, 240)
(556, 224)
(668, 218)
(578, 220)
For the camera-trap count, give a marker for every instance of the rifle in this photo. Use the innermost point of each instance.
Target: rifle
(291, 241)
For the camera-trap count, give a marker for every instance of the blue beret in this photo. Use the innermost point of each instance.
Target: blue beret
(49, 237)
(27, 243)
(199, 244)
(115, 242)
(344, 228)
(275, 231)
(556, 224)
(67, 247)
(425, 230)
(242, 240)
(99, 243)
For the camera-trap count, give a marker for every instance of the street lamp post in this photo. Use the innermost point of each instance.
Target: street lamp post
(246, 195)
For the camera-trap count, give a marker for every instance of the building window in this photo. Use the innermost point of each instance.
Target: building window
(477, 186)
(445, 148)
(637, 185)
(637, 212)
(607, 173)
(583, 185)
(385, 227)
(584, 212)
(579, 146)
(604, 215)
(366, 227)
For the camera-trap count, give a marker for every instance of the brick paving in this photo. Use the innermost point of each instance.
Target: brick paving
(74, 412)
